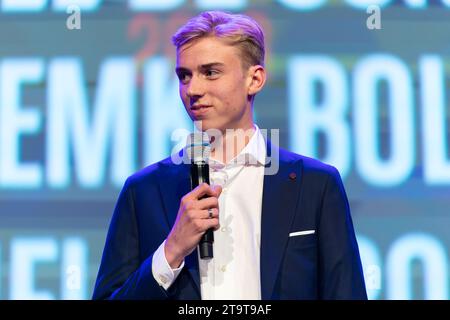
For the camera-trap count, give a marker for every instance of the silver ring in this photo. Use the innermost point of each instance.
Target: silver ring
(210, 212)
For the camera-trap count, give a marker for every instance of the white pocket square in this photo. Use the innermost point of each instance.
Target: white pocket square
(301, 233)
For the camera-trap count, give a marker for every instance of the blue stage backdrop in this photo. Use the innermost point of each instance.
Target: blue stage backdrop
(360, 84)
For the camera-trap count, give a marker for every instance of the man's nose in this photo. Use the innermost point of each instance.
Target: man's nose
(195, 87)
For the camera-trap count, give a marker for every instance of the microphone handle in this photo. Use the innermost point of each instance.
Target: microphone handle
(199, 175)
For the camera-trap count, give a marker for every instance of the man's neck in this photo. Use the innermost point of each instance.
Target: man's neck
(231, 143)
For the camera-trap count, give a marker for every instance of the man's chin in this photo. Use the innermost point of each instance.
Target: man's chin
(205, 125)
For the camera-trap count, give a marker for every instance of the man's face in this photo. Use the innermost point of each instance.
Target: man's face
(214, 87)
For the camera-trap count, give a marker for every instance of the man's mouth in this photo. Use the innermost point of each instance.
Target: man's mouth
(199, 107)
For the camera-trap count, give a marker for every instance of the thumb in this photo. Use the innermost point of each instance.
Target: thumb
(217, 188)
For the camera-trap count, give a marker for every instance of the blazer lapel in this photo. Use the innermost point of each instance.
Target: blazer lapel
(175, 182)
(280, 194)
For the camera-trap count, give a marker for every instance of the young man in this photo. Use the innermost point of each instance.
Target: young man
(287, 235)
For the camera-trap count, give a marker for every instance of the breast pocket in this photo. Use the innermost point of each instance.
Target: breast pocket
(302, 241)
(300, 266)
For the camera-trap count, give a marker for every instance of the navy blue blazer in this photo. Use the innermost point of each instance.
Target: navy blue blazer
(305, 194)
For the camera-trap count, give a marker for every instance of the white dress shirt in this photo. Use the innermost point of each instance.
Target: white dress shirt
(234, 272)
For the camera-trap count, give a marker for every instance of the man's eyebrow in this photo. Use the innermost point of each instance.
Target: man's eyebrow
(210, 65)
(181, 69)
(201, 67)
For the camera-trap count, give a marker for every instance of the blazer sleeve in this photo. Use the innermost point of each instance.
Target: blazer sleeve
(340, 269)
(122, 274)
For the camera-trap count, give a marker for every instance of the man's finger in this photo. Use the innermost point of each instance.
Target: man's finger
(202, 190)
(210, 223)
(205, 213)
(217, 188)
(210, 202)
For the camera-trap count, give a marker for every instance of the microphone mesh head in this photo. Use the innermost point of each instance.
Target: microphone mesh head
(198, 147)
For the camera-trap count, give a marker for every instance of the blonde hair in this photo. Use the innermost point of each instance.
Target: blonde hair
(240, 30)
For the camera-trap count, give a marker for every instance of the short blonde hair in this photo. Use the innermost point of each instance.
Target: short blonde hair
(241, 31)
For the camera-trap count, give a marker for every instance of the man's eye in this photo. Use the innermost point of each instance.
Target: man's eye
(211, 73)
(183, 77)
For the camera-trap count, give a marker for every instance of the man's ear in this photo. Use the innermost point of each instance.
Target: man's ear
(257, 76)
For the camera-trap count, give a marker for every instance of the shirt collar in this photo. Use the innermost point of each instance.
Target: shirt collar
(254, 153)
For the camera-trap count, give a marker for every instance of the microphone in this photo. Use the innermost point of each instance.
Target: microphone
(198, 150)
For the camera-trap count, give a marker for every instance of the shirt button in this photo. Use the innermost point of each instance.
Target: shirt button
(163, 279)
(224, 229)
(223, 268)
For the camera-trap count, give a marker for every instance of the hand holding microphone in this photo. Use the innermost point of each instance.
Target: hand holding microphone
(198, 214)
